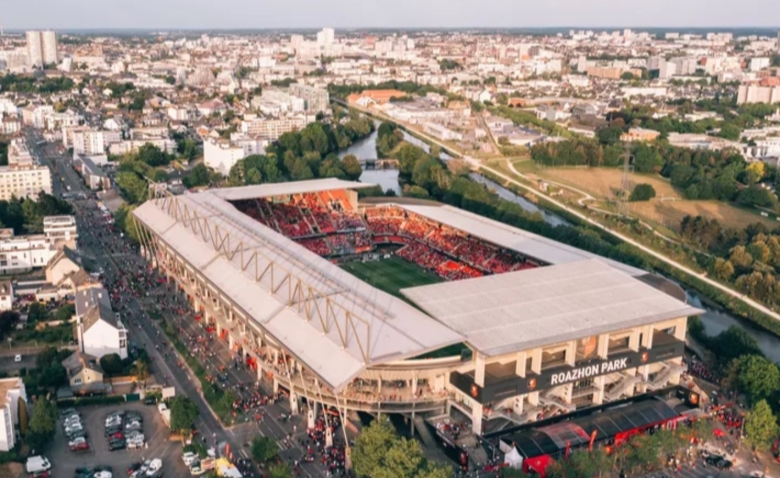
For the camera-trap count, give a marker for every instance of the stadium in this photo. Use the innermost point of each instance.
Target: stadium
(399, 306)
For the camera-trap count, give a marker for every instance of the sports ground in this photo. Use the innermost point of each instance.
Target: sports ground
(391, 275)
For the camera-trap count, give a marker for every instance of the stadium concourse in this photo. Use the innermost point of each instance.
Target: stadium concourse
(509, 327)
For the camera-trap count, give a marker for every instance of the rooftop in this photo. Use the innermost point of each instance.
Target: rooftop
(517, 311)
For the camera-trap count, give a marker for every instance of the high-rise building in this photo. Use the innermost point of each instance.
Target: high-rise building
(34, 49)
(325, 38)
(49, 46)
(41, 48)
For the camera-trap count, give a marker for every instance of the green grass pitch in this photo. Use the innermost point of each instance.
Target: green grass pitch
(391, 275)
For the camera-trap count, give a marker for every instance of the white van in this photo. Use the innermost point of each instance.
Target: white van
(37, 464)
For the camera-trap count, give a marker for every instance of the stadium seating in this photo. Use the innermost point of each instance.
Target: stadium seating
(326, 224)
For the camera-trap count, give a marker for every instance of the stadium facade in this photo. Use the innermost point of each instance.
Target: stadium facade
(528, 327)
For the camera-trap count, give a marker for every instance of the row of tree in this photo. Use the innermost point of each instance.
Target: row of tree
(699, 174)
(747, 258)
(306, 154)
(26, 215)
(30, 84)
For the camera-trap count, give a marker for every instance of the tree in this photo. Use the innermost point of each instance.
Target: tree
(351, 167)
(755, 376)
(199, 176)
(722, 269)
(141, 370)
(183, 415)
(65, 312)
(264, 450)
(581, 464)
(37, 313)
(627, 76)
(43, 424)
(755, 172)
(760, 426)
(111, 364)
(609, 134)
(8, 321)
(380, 453)
(642, 192)
(23, 418)
(280, 470)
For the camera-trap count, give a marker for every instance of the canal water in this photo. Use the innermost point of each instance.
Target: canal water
(715, 320)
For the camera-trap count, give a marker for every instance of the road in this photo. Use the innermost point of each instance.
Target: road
(116, 259)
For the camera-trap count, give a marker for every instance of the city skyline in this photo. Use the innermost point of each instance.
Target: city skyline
(349, 14)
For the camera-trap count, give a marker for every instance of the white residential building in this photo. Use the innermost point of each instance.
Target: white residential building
(317, 100)
(61, 230)
(92, 142)
(100, 331)
(19, 254)
(11, 391)
(221, 156)
(23, 253)
(18, 153)
(758, 64)
(128, 146)
(24, 181)
(441, 132)
(34, 49)
(271, 129)
(758, 94)
(49, 46)
(6, 295)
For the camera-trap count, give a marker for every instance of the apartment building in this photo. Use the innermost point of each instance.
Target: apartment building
(93, 175)
(317, 100)
(758, 94)
(271, 129)
(221, 155)
(19, 254)
(61, 231)
(640, 134)
(12, 390)
(128, 146)
(24, 181)
(35, 49)
(92, 142)
(18, 153)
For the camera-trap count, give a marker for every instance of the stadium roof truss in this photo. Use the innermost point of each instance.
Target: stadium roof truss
(334, 323)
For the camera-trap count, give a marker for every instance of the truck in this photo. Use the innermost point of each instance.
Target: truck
(37, 464)
(165, 413)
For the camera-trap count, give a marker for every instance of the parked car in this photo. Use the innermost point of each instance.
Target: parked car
(150, 400)
(114, 445)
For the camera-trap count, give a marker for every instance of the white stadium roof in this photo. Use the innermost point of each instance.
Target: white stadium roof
(365, 326)
(516, 311)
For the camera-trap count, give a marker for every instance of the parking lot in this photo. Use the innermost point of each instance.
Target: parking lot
(65, 462)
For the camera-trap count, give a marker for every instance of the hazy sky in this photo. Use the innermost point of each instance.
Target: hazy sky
(62, 14)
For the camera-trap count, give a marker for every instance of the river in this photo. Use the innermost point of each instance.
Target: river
(715, 320)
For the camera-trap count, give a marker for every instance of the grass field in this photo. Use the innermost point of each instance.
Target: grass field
(391, 275)
(668, 208)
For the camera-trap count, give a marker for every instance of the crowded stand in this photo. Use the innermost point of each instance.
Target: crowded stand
(326, 224)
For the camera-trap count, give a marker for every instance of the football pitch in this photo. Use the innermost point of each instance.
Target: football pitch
(391, 275)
